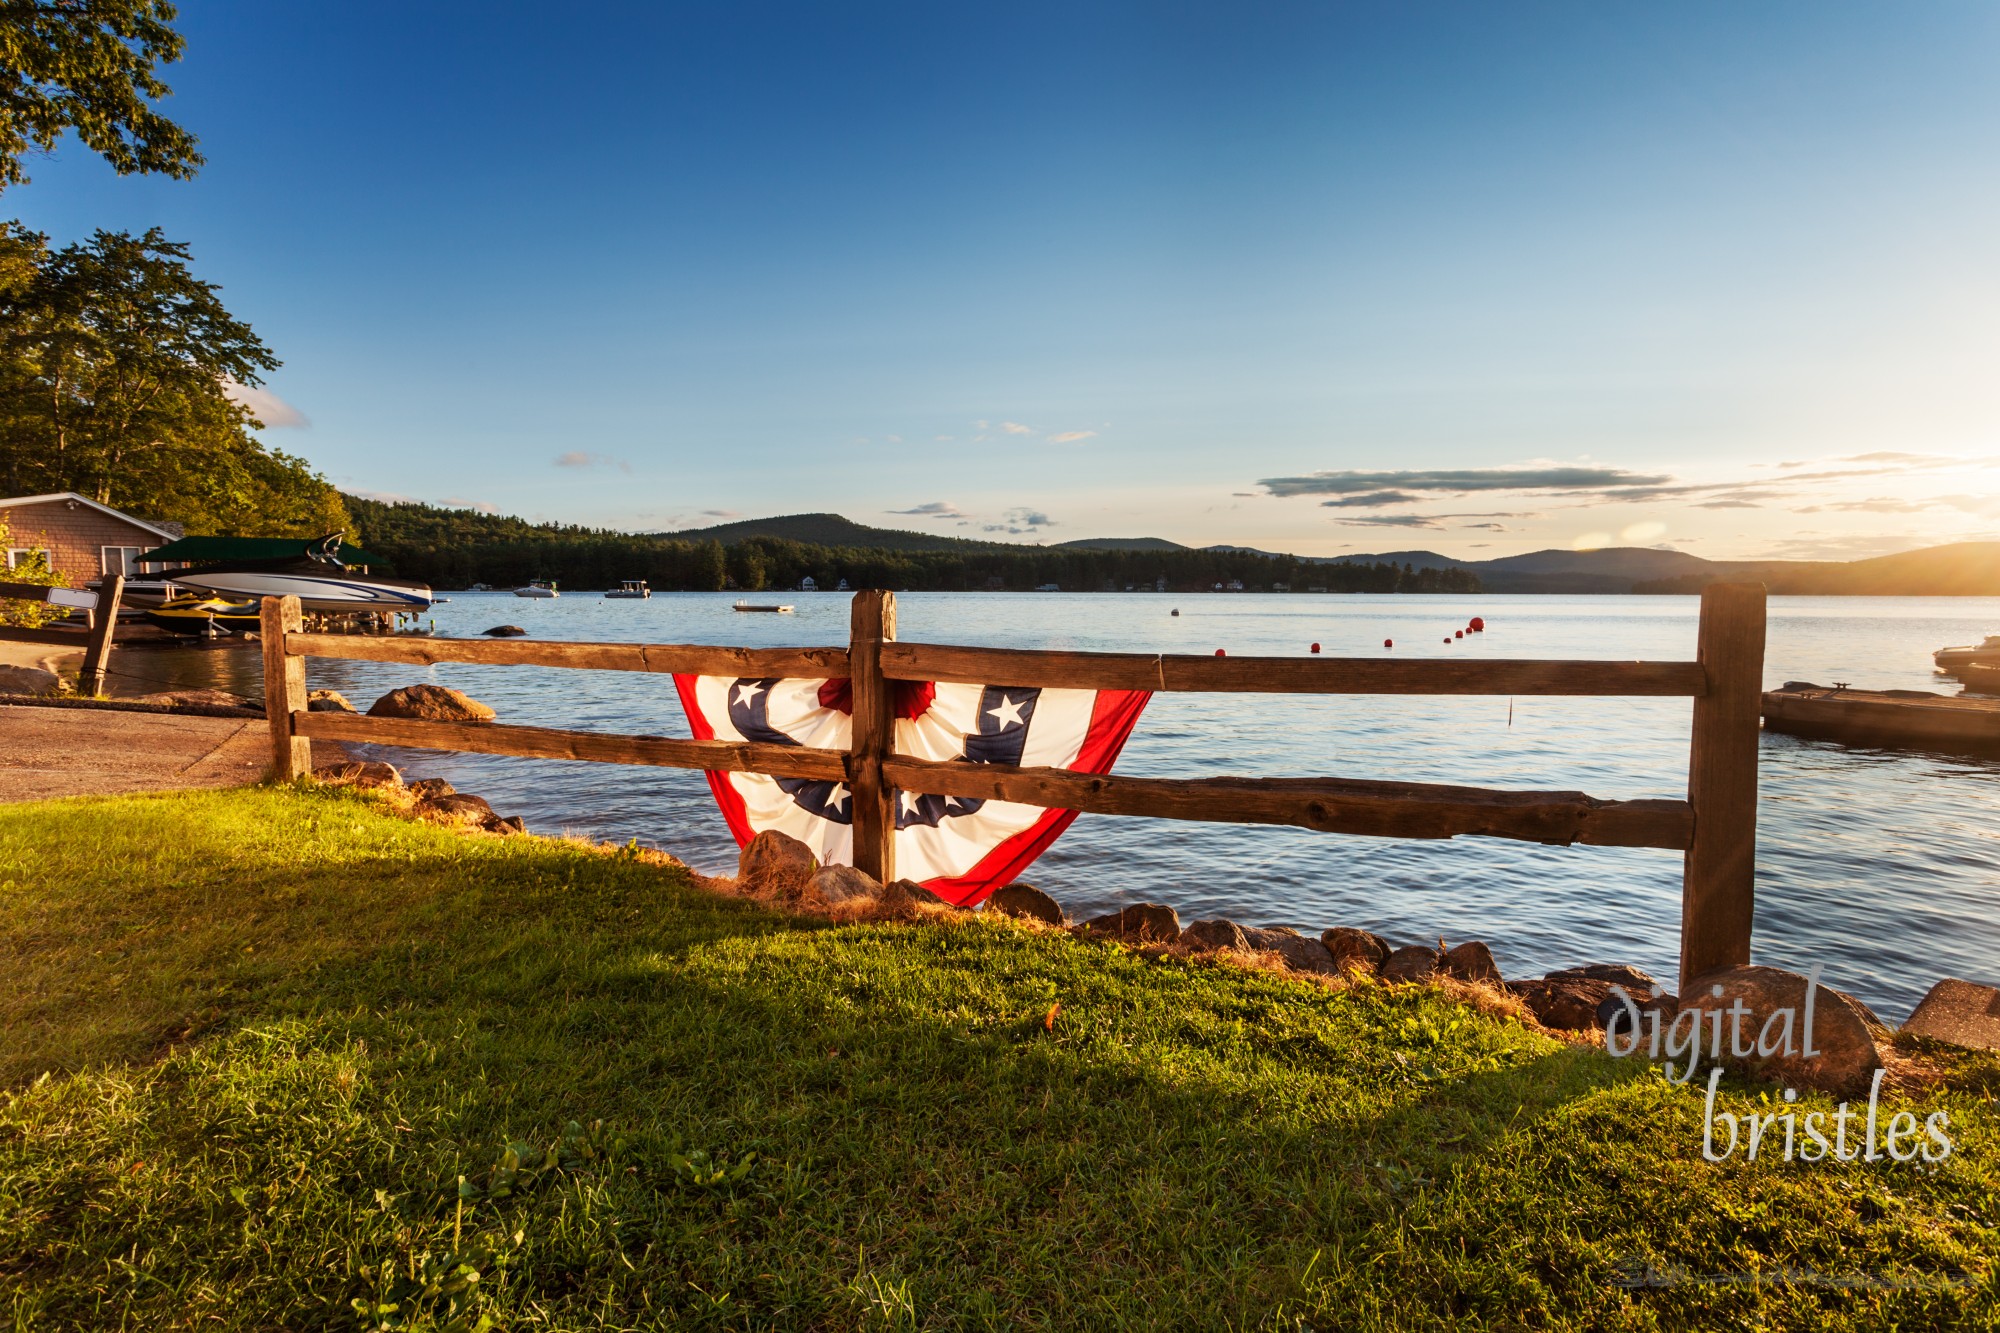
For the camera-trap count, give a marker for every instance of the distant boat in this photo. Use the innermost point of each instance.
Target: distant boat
(1986, 654)
(479, 587)
(631, 588)
(1048, 587)
(539, 588)
(766, 606)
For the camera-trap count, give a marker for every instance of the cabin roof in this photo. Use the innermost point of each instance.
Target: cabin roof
(15, 501)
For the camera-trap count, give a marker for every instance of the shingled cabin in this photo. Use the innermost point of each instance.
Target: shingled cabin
(85, 540)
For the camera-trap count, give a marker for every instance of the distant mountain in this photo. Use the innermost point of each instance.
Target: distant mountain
(833, 530)
(1120, 544)
(1962, 569)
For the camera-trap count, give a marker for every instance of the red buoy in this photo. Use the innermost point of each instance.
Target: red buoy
(1447, 643)
(1388, 643)
(1458, 634)
(1315, 647)
(1477, 624)
(1220, 653)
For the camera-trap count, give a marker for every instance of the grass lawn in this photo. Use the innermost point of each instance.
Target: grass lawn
(264, 1052)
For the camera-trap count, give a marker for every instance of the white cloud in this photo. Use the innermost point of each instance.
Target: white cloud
(1015, 428)
(1072, 436)
(577, 458)
(267, 407)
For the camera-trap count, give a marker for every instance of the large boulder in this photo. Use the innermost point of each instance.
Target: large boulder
(1151, 922)
(1842, 1037)
(28, 680)
(1415, 962)
(1025, 900)
(431, 703)
(844, 884)
(1306, 955)
(1963, 1013)
(327, 701)
(1354, 949)
(1569, 1004)
(355, 774)
(1214, 933)
(1470, 961)
(775, 865)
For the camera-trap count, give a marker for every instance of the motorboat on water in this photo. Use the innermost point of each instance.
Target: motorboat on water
(320, 573)
(631, 588)
(1983, 654)
(539, 588)
(199, 615)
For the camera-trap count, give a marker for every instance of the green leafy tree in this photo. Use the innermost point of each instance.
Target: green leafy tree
(34, 570)
(115, 368)
(89, 66)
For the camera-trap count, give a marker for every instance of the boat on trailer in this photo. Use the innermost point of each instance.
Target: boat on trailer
(322, 574)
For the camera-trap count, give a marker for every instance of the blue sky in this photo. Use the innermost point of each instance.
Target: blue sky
(1479, 278)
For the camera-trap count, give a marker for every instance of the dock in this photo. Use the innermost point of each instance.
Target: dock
(1914, 719)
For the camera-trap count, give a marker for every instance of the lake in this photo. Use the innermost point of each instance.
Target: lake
(1883, 866)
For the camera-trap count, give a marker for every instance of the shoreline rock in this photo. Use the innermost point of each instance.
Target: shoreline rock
(431, 703)
(1154, 923)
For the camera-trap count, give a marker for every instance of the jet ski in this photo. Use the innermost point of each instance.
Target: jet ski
(194, 614)
(316, 572)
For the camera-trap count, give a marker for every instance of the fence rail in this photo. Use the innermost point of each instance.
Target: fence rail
(1715, 826)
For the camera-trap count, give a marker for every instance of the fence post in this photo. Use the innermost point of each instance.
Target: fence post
(873, 622)
(1718, 888)
(97, 650)
(284, 688)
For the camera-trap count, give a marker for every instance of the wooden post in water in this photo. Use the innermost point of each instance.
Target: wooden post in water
(103, 624)
(1718, 890)
(873, 809)
(284, 689)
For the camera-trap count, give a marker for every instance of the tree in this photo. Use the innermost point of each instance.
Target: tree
(115, 368)
(34, 570)
(88, 66)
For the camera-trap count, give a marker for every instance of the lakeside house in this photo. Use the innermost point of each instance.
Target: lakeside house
(84, 540)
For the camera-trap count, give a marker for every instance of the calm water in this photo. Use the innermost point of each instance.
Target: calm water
(1883, 866)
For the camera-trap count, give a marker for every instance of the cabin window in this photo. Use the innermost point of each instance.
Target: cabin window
(18, 556)
(122, 560)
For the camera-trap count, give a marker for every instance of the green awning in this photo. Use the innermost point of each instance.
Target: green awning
(215, 550)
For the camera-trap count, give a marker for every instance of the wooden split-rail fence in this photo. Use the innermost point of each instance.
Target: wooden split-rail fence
(1715, 826)
(95, 639)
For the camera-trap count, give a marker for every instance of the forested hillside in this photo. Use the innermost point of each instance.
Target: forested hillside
(452, 548)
